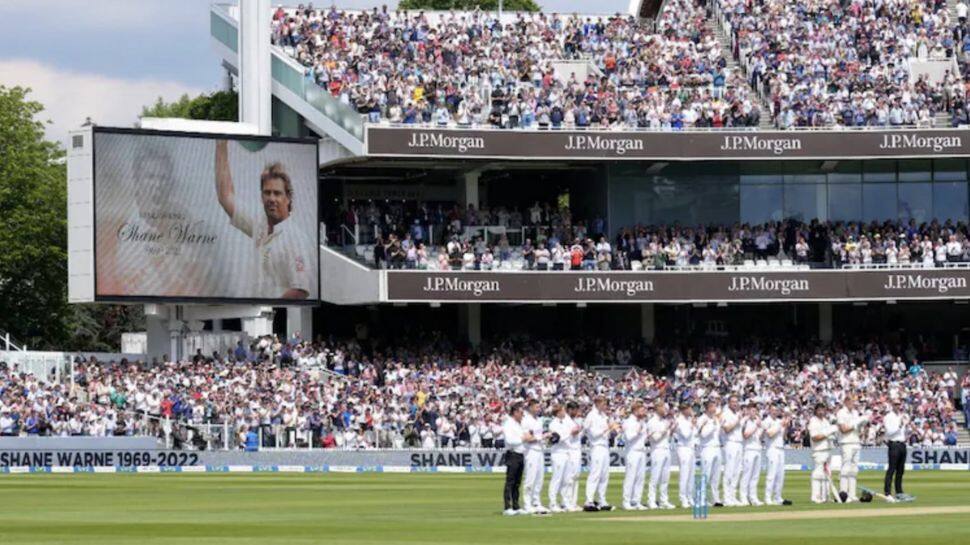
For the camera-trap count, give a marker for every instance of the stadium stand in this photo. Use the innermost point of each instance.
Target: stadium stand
(428, 392)
(533, 70)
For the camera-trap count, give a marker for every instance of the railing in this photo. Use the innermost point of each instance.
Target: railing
(916, 265)
(9, 344)
(295, 77)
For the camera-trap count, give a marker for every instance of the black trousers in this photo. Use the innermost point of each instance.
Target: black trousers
(897, 464)
(514, 465)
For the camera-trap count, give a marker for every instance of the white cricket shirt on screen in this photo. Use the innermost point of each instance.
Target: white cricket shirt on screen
(281, 263)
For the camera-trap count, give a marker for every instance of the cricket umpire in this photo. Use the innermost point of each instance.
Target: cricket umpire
(895, 427)
(515, 438)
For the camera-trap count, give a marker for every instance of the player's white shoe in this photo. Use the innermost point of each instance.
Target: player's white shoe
(540, 510)
(756, 502)
(667, 505)
(641, 507)
(555, 509)
(651, 505)
(574, 509)
(890, 499)
(510, 512)
(628, 507)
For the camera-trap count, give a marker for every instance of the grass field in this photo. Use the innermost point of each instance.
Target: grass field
(426, 508)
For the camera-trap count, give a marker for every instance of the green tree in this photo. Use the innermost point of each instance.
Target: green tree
(217, 106)
(487, 5)
(33, 226)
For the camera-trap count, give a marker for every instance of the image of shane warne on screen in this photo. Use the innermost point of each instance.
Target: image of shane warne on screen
(199, 217)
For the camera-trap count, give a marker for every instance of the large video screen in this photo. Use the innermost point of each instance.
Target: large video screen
(189, 217)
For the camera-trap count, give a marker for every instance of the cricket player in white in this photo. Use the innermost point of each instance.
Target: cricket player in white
(560, 487)
(686, 437)
(659, 429)
(574, 446)
(774, 431)
(598, 430)
(534, 461)
(850, 424)
(635, 452)
(733, 450)
(709, 439)
(282, 266)
(751, 433)
(821, 432)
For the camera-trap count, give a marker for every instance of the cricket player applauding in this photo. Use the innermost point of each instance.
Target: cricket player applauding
(686, 437)
(821, 432)
(733, 450)
(709, 438)
(775, 427)
(751, 433)
(850, 424)
(534, 460)
(635, 451)
(659, 429)
(560, 486)
(598, 429)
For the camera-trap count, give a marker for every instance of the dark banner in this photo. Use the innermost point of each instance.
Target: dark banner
(669, 145)
(678, 287)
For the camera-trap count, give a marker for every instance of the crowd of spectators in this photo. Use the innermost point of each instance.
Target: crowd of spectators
(429, 393)
(470, 68)
(847, 63)
(546, 237)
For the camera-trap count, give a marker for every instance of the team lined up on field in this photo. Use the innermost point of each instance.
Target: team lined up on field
(729, 442)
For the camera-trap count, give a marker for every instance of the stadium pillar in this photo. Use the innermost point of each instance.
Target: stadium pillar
(470, 195)
(648, 324)
(255, 85)
(470, 322)
(299, 320)
(825, 322)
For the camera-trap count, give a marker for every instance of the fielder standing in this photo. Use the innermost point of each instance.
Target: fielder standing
(850, 424)
(820, 432)
(775, 427)
(751, 434)
(598, 429)
(574, 446)
(709, 438)
(659, 429)
(635, 452)
(534, 460)
(686, 437)
(560, 487)
(733, 450)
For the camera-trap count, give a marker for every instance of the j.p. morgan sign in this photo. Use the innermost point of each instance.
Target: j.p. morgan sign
(679, 287)
(683, 145)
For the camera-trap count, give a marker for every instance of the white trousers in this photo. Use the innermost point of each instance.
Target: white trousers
(659, 475)
(560, 486)
(732, 471)
(750, 475)
(711, 466)
(820, 478)
(850, 469)
(775, 475)
(636, 470)
(686, 462)
(573, 467)
(532, 477)
(599, 474)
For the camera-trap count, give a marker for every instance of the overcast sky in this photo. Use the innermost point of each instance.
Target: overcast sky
(105, 58)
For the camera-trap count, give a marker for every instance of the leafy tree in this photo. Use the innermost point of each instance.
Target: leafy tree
(33, 226)
(218, 106)
(487, 5)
